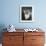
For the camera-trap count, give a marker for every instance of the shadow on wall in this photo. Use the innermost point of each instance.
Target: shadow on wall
(2, 26)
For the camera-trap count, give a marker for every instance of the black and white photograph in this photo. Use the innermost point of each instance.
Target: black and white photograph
(26, 13)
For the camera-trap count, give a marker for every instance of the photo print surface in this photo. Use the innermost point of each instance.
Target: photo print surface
(26, 13)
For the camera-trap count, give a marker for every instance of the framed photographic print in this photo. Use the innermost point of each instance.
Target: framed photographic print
(26, 13)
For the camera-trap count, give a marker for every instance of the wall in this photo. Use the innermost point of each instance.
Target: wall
(10, 10)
